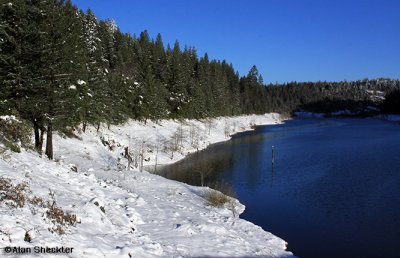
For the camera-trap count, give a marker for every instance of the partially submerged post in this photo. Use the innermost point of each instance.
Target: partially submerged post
(273, 155)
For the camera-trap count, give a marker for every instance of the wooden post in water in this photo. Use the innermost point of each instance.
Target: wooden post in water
(273, 155)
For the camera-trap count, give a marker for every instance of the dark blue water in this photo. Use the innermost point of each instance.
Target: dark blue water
(334, 190)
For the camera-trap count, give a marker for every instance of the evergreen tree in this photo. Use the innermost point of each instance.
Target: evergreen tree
(20, 59)
(60, 68)
(204, 83)
(60, 50)
(122, 72)
(176, 83)
(159, 61)
(94, 90)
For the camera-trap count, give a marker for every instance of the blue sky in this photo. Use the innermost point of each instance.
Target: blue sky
(288, 40)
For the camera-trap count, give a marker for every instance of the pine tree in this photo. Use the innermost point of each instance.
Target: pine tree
(178, 96)
(60, 67)
(60, 49)
(196, 106)
(204, 81)
(121, 71)
(19, 62)
(151, 98)
(96, 103)
(159, 60)
(8, 50)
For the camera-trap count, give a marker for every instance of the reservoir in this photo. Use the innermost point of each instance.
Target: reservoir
(333, 191)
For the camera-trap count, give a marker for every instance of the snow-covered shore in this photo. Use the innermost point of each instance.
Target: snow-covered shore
(127, 213)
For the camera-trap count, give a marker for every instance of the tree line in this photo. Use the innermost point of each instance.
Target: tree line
(294, 95)
(61, 68)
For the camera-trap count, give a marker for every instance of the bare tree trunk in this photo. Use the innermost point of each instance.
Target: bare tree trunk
(181, 135)
(49, 141)
(126, 152)
(37, 136)
(84, 124)
(98, 127)
(38, 132)
(42, 129)
(155, 164)
(141, 162)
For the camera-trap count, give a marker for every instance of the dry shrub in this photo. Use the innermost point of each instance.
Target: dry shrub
(57, 215)
(285, 115)
(37, 201)
(57, 229)
(13, 196)
(220, 194)
(215, 198)
(59, 218)
(27, 237)
(70, 219)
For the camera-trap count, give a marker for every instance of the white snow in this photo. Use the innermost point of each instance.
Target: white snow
(112, 25)
(144, 215)
(9, 119)
(72, 87)
(80, 82)
(376, 95)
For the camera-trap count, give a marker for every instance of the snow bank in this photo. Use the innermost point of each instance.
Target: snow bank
(123, 213)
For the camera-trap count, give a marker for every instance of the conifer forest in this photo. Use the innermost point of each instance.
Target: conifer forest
(62, 68)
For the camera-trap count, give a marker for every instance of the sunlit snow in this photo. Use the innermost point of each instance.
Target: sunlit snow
(127, 213)
(81, 82)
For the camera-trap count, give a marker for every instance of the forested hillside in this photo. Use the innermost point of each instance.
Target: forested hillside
(330, 96)
(61, 68)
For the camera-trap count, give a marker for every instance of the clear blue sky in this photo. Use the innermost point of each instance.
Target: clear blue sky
(288, 40)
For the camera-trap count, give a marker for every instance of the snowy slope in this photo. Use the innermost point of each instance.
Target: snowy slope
(123, 213)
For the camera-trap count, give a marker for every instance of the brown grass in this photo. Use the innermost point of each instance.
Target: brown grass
(13, 196)
(220, 194)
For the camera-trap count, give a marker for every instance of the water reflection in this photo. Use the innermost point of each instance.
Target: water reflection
(210, 164)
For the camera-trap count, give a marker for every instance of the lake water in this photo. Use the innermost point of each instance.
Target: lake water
(334, 190)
